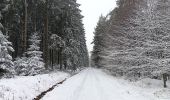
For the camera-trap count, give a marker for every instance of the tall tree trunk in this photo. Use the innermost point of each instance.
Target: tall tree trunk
(52, 58)
(21, 47)
(60, 58)
(25, 27)
(56, 59)
(35, 17)
(45, 44)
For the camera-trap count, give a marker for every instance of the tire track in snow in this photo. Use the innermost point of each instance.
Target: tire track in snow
(99, 86)
(79, 88)
(89, 87)
(100, 78)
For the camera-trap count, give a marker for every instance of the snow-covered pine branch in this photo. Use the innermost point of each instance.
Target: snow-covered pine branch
(6, 63)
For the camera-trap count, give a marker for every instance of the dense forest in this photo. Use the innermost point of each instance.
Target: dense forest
(40, 35)
(133, 40)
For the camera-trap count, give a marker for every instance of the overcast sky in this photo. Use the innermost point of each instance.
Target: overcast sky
(91, 10)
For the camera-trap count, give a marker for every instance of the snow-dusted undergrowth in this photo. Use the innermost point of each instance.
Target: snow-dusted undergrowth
(27, 88)
(154, 88)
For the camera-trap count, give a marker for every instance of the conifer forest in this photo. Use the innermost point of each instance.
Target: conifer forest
(37, 35)
(134, 39)
(45, 52)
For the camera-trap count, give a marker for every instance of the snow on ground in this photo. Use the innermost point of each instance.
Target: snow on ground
(93, 84)
(28, 87)
(153, 87)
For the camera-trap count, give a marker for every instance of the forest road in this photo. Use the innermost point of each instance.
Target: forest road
(92, 84)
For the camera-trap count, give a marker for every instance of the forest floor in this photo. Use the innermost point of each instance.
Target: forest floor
(94, 84)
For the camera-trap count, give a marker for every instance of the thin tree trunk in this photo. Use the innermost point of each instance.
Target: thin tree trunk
(52, 58)
(21, 47)
(56, 58)
(25, 26)
(60, 58)
(35, 17)
(45, 44)
(165, 79)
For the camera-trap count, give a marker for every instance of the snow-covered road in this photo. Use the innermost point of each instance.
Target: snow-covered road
(93, 84)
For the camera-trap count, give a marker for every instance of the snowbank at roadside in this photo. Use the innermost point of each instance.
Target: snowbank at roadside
(28, 87)
(154, 88)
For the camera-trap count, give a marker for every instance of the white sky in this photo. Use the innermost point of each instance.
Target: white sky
(91, 10)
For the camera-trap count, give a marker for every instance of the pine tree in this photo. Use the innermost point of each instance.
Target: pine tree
(98, 42)
(6, 63)
(75, 52)
(35, 60)
(32, 64)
